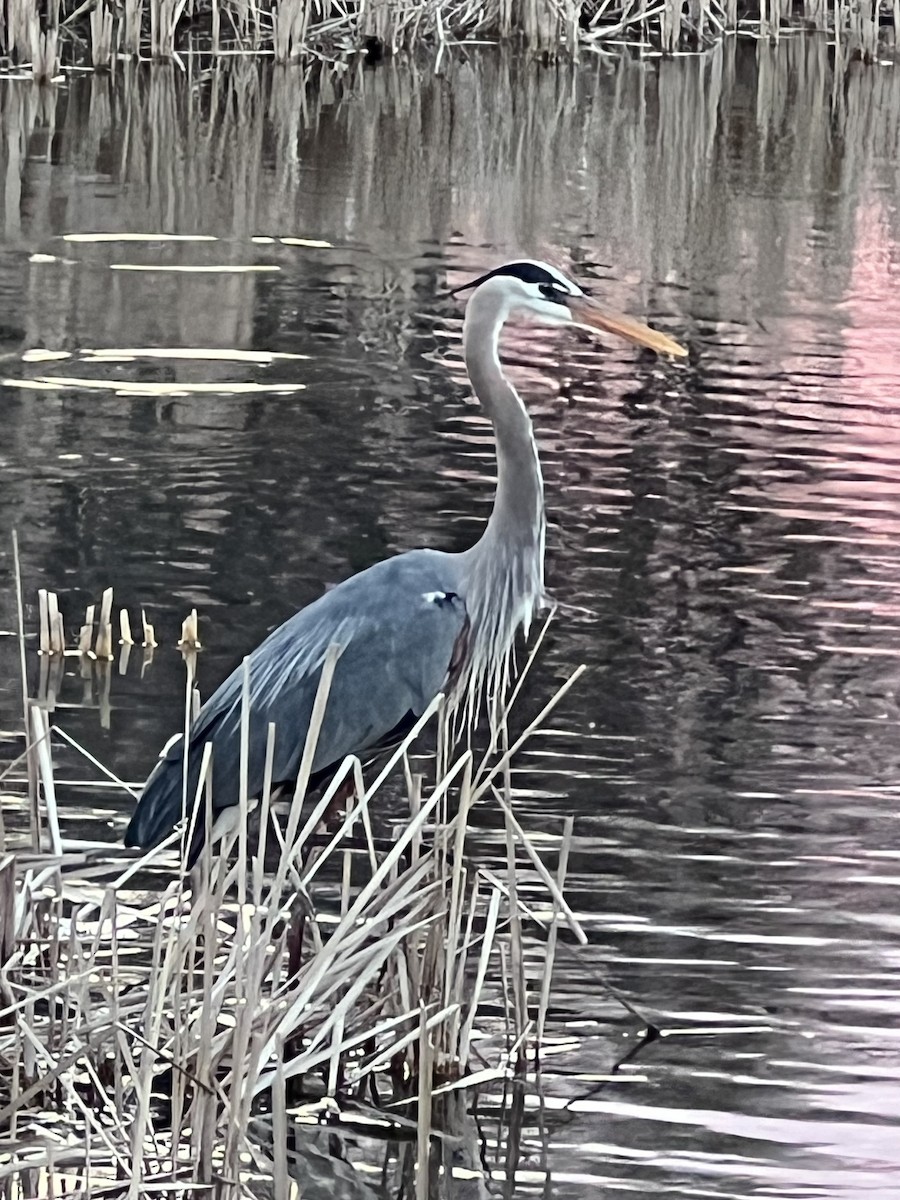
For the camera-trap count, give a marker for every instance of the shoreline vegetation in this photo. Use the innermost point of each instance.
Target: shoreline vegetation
(181, 1035)
(44, 37)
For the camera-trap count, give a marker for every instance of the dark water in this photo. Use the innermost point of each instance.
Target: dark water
(726, 534)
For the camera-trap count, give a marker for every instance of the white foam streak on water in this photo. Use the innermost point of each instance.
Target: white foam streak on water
(129, 388)
(198, 269)
(123, 236)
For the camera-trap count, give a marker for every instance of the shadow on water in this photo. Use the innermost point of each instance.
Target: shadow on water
(724, 536)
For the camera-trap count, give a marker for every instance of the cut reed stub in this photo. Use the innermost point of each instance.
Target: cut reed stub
(103, 648)
(44, 620)
(86, 633)
(190, 634)
(57, 633)
(84, 639)
(52, 631)
(125, 638)
(149, 641)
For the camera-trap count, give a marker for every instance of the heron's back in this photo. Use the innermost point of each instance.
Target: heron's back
(397, 623)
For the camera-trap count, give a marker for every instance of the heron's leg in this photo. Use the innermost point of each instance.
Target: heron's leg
(338, 806)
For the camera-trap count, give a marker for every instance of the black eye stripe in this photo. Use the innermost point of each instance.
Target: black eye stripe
(528, 272)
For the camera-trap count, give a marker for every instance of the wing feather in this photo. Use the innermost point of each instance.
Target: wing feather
(397, 624)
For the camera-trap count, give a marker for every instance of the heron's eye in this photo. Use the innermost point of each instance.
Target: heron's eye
(554, 292)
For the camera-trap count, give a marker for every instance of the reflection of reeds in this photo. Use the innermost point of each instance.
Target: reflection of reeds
(605, 163)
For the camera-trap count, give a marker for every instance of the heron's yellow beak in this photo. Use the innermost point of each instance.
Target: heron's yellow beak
(588, 312)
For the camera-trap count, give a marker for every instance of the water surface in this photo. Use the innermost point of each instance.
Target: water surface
(724, 535)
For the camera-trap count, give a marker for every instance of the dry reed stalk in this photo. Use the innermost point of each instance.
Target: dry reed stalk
(34, 818)
(86, 633)
(423, 1116)
(164, 18)
(149, 641)
(190, 634)
(539, 23)
(289, 34)
(57, 629)
(43, 45)
(40, 730)
(125, 638)
(131, 35)
(517, 964)
(550, 954)
(102, 28)
(44, 622)
(103, 647)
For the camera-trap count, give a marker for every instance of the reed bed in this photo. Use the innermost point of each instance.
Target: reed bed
(188, 1039)
(103, 31)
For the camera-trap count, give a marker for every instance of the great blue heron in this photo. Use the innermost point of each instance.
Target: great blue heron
(412, 626)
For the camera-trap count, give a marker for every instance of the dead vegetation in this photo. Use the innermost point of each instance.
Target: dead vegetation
(184, 1038)
(101, 32)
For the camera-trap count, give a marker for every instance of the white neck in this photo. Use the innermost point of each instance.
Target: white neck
(518, 512)
(504, 570)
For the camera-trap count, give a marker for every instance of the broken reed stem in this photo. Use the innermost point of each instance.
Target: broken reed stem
(149, 638)
(190, 635)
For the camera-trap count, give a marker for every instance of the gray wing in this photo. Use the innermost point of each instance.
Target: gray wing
(398, 624)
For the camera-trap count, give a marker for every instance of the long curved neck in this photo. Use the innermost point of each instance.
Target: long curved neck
(503, 573)
(517, 518)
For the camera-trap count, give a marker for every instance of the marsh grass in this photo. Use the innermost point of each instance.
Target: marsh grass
(101, 31)
(152, 1042)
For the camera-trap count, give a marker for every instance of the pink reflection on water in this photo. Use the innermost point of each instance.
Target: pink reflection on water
(872, 333)
(831, 419)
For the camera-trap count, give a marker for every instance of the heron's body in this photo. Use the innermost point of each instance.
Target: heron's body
(409, 627)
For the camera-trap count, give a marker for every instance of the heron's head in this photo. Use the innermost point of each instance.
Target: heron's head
(541, 293)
